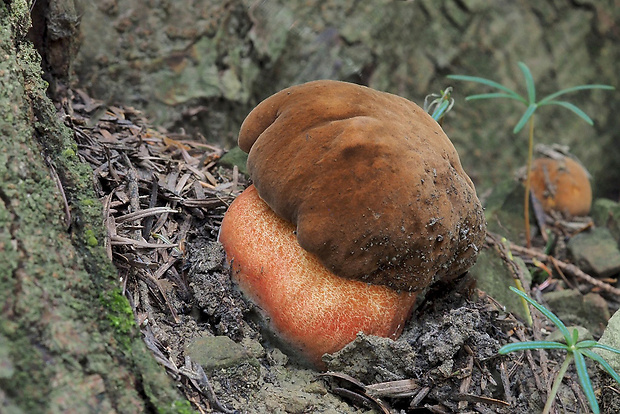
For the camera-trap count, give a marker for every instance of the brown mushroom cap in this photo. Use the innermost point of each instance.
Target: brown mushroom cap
(562, 184)
(374, 186)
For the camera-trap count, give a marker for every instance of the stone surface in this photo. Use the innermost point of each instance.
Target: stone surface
(503, 209)
(216, 352)
(493, 277)
(582, 333)
(611, 337)
(606, 213)
(595, 251)
(573, 308)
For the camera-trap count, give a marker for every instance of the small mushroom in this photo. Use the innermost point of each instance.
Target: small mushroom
(561, 184)
(369, 195)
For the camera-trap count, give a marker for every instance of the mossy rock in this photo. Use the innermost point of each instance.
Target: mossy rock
(606, 213)
(596, 252)
(494, 278)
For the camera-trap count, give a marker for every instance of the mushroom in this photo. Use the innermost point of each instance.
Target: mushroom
(561, 184)
(371, 185)
(311, 310)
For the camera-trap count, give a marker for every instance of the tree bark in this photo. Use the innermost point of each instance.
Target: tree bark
(68, 341)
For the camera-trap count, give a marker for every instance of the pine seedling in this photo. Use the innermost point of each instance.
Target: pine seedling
(575, 351)
(528, 116)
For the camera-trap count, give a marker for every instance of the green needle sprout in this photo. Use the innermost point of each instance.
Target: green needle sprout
(531, 106)
(576, 351)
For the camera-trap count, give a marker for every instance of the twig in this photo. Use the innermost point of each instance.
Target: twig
(148, 223)
(143, 291)
(56, 178)
(536, 330)
(578, 392)
(109, 224)
(133, 190)
(566, 267)
(505, 382)
(530, 360)
(147, 212)
(561, 273)
(155, 285)
(164, 268)
(480, 399)
(505, 254)
(415, 402)
(466, 383)
(116, 240)
(199, 379)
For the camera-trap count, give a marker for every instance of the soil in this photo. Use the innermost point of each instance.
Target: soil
(165, 195)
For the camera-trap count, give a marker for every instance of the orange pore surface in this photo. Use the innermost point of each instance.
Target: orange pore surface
(309, 307)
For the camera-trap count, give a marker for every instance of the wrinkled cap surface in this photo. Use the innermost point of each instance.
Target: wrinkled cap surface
(374, 186)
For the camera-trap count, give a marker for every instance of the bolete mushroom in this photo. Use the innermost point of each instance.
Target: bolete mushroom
(561, 184)
(309, 308)
(374, 191)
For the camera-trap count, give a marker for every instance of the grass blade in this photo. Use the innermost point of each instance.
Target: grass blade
(494, 95)
(584, 380)
(574, 89)
(440, 110)
(529, 83)
(604, 364)
(526, 117)
(571, 107)
(557, 322)
(522, 346)
(588, 343)
(528, 314)
(487, 82)
(606, 347)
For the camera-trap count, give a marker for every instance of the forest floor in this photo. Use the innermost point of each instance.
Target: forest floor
(164, 197)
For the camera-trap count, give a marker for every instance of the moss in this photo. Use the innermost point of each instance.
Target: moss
(156, 383)
(180, 407)
(89, 202)
(68, 153)
(91, 239)
(120, 316)
(69, 331)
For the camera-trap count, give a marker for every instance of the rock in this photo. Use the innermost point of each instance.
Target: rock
(235, 157)
(582, 333)
(595, 252)
(611, 337)
(573, 308)
(360, 357)
(216, 352)
(503, 210)
(606, 213)
(493, 277)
